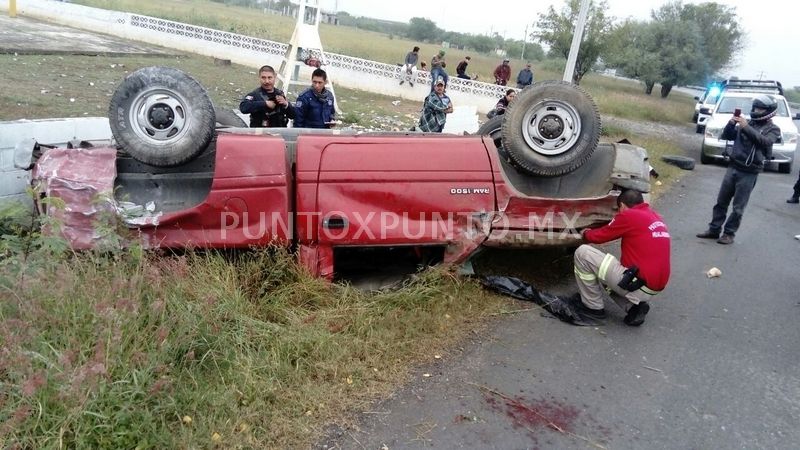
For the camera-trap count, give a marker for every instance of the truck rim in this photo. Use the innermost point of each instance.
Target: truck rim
(160, 116)
(551, 127)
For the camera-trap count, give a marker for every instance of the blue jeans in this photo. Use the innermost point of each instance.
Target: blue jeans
(436, 73)
(737, 186)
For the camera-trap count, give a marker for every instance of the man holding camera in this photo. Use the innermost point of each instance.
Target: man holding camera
(642, 271)
(267, 105)
(752, 146)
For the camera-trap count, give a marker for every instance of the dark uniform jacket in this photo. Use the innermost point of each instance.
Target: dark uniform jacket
(314, 110)
(255, 104)
(751, 144)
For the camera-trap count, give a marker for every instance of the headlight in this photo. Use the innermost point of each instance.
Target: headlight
(789, 138)
(713, 133)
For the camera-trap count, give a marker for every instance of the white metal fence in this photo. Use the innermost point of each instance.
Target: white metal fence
(347, 71)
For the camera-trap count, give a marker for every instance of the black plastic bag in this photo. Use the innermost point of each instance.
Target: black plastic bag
(563, 308)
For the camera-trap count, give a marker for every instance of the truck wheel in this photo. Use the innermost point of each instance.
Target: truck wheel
(493, 128)
(161, 116)
(684, 162)
(551, 128)
(705, 159)
(785, 167)
(228, 118)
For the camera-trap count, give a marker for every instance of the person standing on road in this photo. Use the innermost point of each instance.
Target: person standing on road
(502, 73)
(643, 270)
(267, 105)
(409, 71)
(752, 145)
(437, 69)
(795, 198)
(525, 77)
(461, 69)
(315, 106)
(435, 109)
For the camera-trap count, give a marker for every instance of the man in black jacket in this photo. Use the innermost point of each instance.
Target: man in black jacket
(267, 105)
(752, 145)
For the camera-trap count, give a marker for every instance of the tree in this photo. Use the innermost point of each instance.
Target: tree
(483, 44)
(422, 29)
(679, 50)
(633, 49)
(556, 29)
(719, 29)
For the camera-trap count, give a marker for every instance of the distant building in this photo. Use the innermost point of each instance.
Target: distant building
(329, 17)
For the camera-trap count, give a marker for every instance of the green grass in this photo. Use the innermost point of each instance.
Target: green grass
(32, 87)
(134, 351)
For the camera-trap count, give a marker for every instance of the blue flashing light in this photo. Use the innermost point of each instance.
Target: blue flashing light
(714, 91)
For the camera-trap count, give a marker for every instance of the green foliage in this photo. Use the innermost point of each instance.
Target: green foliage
(793, 95)
(422, 29)
(138, 350)
(682, 44)
(719, 31)
(632, 50)
(557, 28)
(678, 49)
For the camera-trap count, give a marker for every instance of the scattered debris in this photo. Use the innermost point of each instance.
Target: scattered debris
(396, 103)
(653, 369)
(684, 162)
(713, 273)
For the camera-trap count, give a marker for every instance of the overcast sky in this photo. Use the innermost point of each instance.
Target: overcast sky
(772, 27)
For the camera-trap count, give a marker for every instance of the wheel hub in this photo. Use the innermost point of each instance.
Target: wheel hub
(161, 116)
(551, 127)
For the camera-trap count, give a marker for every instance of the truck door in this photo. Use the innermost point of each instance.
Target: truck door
(405, 190)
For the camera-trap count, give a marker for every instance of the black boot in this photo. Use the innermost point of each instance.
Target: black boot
(636, 314)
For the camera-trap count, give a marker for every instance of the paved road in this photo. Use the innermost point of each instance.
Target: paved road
(716, 365)
(26, 36)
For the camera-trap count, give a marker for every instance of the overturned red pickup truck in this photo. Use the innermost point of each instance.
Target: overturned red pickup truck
(531, 178)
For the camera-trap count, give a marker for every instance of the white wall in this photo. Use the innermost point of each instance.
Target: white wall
(13, 181)
(347, 71)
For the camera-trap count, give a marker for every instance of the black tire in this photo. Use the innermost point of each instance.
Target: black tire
(551, 128)
(694, 117)
(228, 118)
(700, 129)
(161, 116)
(705, 159)
(684, 162)
(785, 167)
(494, 129)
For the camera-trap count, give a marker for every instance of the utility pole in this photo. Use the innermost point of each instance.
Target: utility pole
(12, 8)
(524, 40)
(577, 37)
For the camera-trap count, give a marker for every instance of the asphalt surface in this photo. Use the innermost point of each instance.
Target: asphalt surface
(715, 366)
(26, 36)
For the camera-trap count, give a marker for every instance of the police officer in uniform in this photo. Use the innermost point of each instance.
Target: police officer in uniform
(315, 107)
(267, 105)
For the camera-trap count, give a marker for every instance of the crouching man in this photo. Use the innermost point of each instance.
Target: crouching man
(644, 267)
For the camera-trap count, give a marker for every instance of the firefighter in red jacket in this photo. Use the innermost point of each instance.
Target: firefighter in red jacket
(643, 271)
